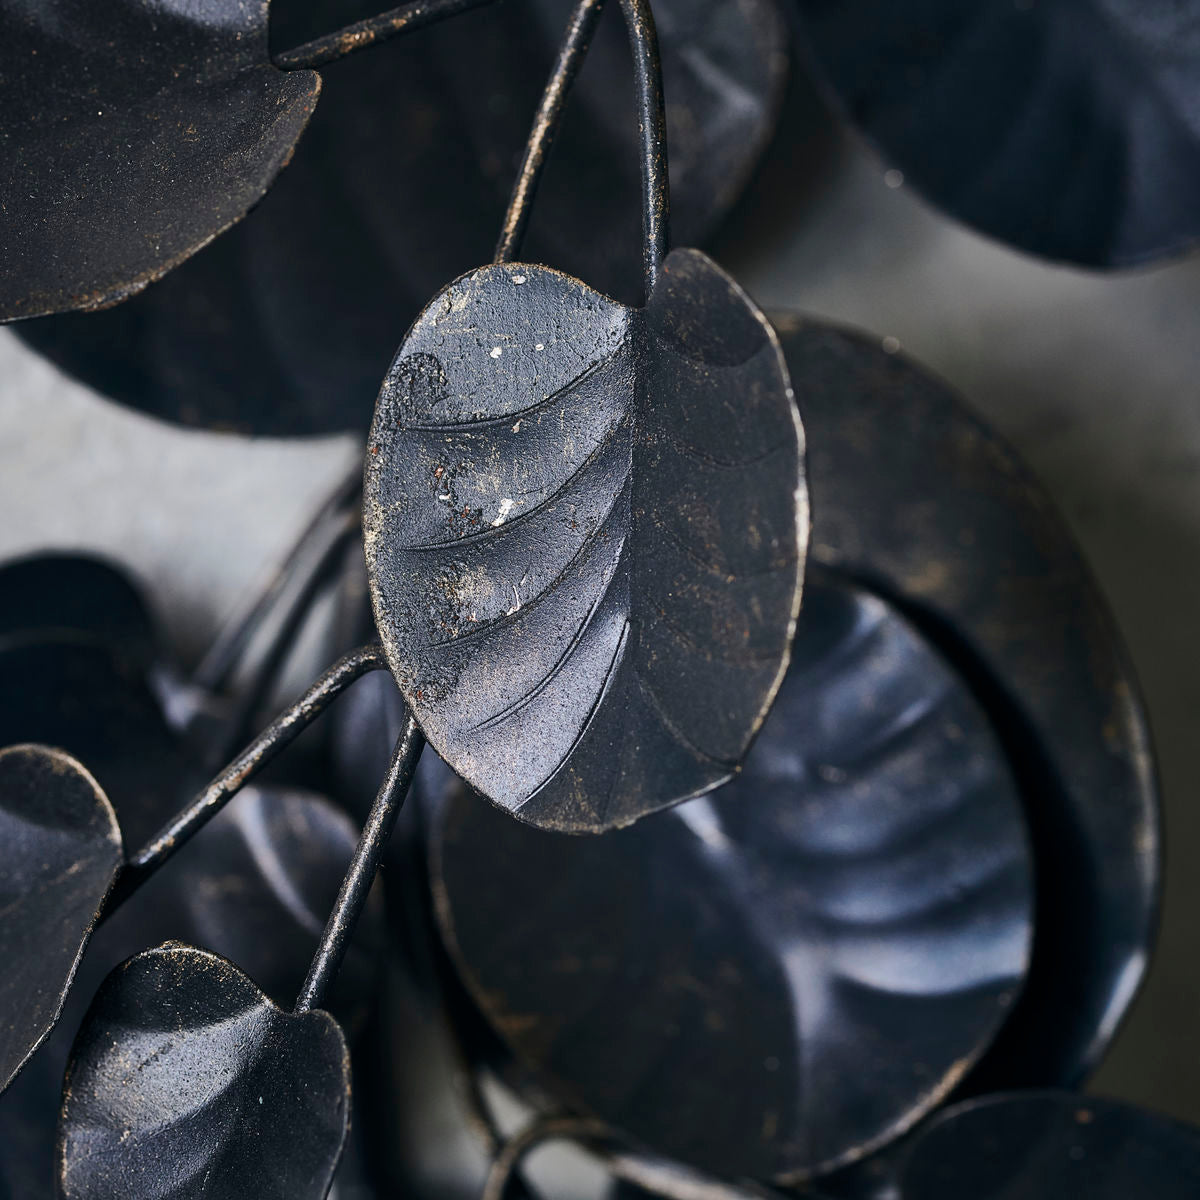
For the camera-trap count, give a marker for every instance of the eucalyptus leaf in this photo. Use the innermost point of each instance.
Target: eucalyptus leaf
(1068, 129)
(773, 980)
(285, 325)
(1050, 1145)
(133, 134)
(62, 851)
(585, 529)
(186, 1081)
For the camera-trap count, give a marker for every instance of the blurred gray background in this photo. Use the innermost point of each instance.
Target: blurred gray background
(1094, 379)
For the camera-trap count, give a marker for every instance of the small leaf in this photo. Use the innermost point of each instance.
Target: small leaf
(585, 529)
(1049, 1146)
(775, 979)
(1067, 130)
(283, 325)
(186, 1081)
(133, 134)
(62, 851)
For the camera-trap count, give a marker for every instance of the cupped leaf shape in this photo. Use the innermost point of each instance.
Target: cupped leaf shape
(1048, 1145)
(1070, 130)
(585, 529)
(62, 851)
(186, 1081)
(285, 324)
(770, 981)
(912, 493)
(133, 134)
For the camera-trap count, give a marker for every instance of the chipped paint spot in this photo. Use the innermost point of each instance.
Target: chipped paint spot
(506, 506)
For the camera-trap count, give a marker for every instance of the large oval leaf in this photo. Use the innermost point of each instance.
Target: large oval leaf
(186, 1081)
(62, 850)
(286, 324)
(585, 529)
(914, 495)
(1071, 130)
(770, 981)
(133, 134)
(1051, 1145)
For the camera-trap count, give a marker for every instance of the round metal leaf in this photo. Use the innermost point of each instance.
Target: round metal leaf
(286, 324)
(133, 134)
(186, 1081)
(1048, 1145)
(913, 495)
(772, 980)
(62, 850)
(1071, 130)
(585, 528)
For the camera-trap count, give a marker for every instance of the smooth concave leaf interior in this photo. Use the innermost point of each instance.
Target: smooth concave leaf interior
(585, 528)
(186, 1081)
(772, 980)
(133, 134)
(62, 850)
(1049, 1145)
(1071, 130)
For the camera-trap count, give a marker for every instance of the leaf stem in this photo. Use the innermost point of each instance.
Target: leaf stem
(417, 14)
(571, 53)
(275, 738)
(357, 884)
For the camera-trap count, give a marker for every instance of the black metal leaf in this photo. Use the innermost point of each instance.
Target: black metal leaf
(1070, 130)
(133, 134)
(773, 980)
(286, 324)
(585, 528)
(186, 1081)
(1048, 1146)
(62, 851)
(912, 494)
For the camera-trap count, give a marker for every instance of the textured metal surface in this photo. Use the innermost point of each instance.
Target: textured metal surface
(186, 1081)
(1067, 129)
(773, 980)
(286, 324)
(1050, 1145)
(917, 498)
(62, 849)
(585, 530)
(133, 133)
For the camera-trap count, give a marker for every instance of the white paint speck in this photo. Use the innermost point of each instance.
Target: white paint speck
(518, 279)
(539, 346)
(496, 352)
(260, 1099)
(517, 426)
(445, 496)
(516, 602)
(506, 506)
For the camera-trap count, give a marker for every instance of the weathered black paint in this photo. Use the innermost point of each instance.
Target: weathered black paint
(585, 529)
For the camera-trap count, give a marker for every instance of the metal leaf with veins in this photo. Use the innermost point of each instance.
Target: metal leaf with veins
(773, 980)
(585, 529)
(62, 851)
(186, 1081)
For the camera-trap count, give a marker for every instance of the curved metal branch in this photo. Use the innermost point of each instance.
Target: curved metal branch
(360, 35)
(545, 1129)
(571, 54)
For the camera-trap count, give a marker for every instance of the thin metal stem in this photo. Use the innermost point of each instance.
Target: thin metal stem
(652, 122)
(545, 1129)
(335, 940)
(408, 17)
(573, 50)
(276, 737)
(223, 655)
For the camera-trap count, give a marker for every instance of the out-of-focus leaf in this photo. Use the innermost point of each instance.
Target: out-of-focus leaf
(1070, 129)
(585, 528)
(186, 1081)
(775, 979)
